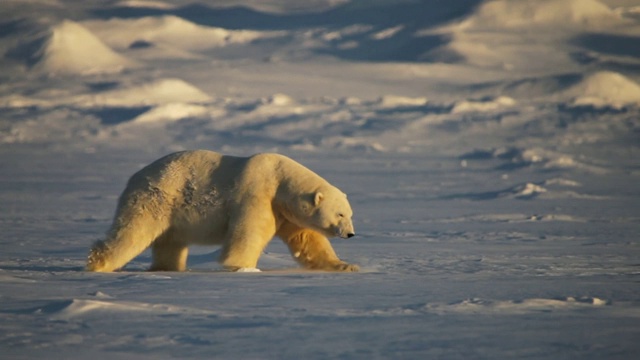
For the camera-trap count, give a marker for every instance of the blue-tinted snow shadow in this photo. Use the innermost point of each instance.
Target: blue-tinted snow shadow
(414, 14)
(117, 115)
(510, 158)
(622, 50)
(621, 45)
(533, 86)
(490, 195)
(41, 268)
(409, 16)
(10, 27)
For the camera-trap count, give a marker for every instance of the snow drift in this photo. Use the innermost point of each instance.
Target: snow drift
(561, 14)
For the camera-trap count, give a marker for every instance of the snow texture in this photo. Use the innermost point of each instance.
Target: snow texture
(490, 150)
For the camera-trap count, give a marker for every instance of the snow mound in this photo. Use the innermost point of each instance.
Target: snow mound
(521, 157)
(525, 191)
(392, 101)
(21, 101)
(539, 13)
(482, 105)
(276, 105)
(70, 48)
(169, 31)
(74, 308)
(462, 49)
(163, 91)
(387, 33)
(279, 100)
(79, 307)
(512, 218)
(562, 182)
(604, 89)
(170, 112)
(160, 5)
(531, 190)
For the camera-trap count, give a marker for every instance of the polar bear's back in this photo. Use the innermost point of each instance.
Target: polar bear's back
(174, 172)
(193, 174)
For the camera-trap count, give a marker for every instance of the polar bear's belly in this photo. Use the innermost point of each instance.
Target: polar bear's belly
(202, 227)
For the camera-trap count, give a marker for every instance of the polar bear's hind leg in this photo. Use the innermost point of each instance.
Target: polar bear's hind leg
(133, 231)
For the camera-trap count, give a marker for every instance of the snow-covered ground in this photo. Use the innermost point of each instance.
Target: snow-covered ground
(490, 150)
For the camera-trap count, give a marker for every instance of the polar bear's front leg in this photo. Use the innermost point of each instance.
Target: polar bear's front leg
(250, 230)
(242, 252)
(313, 250)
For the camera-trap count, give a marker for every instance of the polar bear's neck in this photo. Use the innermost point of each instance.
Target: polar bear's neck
(296, 178)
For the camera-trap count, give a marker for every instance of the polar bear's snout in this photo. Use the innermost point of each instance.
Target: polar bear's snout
(345, 231)
(345, 235)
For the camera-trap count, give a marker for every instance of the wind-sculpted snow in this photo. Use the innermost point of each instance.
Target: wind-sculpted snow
(531, 13)
(604, 89)
(151, 38)
(489, 150)
(486, 36)
(61, 52)
(82, 308)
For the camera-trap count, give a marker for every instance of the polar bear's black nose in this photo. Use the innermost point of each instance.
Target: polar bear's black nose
(350, 235)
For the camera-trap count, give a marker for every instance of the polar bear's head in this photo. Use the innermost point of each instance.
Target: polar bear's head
(327, 211)
(333, 213)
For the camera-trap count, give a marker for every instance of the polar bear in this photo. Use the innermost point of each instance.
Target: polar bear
(241, 203)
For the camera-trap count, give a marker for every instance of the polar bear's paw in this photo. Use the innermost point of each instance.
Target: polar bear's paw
(345, 267)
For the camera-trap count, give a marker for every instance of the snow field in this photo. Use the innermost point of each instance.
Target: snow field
(489, 150)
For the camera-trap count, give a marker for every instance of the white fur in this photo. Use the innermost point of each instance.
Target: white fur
(202, 197)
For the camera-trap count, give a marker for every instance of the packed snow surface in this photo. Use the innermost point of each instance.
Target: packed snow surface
(490, 150)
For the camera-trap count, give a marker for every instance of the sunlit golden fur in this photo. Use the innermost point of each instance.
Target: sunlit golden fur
(202, 197)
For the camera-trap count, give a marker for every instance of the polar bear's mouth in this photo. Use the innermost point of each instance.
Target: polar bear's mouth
(344, 235)
(335, 231)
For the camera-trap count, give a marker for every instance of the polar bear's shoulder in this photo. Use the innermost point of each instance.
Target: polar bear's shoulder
(288, 172)
(280, 162)
(271, 158)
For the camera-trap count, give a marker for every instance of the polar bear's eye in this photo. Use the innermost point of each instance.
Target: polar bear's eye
(340, 215)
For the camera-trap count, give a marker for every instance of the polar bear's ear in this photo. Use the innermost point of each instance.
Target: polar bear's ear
(317, 199)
